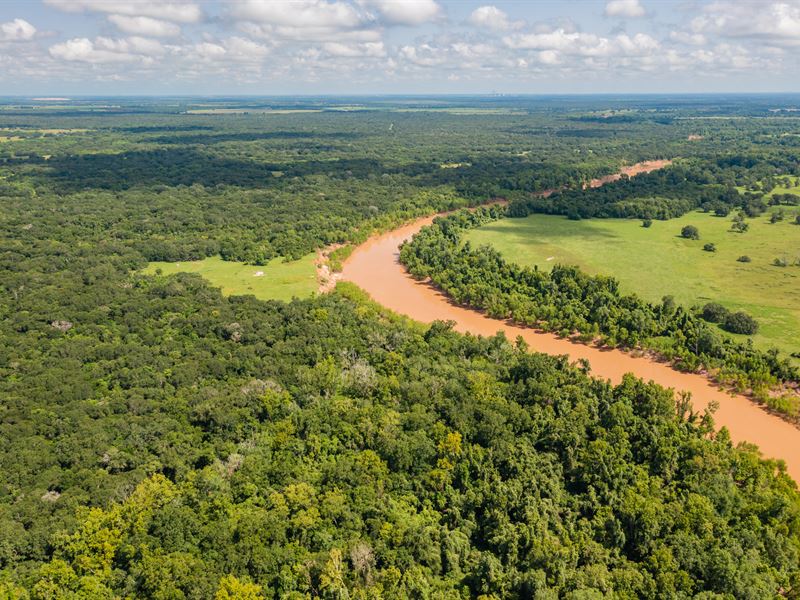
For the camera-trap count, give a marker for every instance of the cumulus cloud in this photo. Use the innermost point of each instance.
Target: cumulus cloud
(424, 55)
(491, 17)
(18, 30)
(105, 50)
(301, 14)
(691, 39)
(772, 22)
(585, 44)
(146, 26)
(368, 49)
(452, 54)
(624, 8)
(179, 12)
(406, 12)
(305, 20)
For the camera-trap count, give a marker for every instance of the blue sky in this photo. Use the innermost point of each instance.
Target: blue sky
(51, 47)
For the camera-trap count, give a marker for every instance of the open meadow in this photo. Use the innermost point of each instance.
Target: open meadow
(278, 280)
(654, 262)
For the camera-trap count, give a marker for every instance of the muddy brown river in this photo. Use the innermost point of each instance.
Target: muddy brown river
(374, 266)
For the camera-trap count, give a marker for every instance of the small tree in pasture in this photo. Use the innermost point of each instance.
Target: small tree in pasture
(690, 232)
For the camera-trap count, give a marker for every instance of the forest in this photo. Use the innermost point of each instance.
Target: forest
(161, 440)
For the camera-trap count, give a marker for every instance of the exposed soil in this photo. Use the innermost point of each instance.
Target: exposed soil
(326, 279)
(374, 266)
(631, 171)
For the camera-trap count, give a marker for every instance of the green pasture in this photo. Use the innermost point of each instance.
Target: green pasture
(277, 280)
(656, 261)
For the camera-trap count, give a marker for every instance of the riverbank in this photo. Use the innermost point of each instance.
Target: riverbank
(374, 266)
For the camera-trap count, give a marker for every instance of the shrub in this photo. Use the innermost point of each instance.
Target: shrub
(714, 312)
(690, 232)
(740, 226)
(710, 247)
(740, 322)
(744, 259)
(647, 222)
(797, 220)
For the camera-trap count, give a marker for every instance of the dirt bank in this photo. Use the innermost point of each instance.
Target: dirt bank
(631, 171)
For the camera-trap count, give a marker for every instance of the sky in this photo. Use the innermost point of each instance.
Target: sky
(276, 47)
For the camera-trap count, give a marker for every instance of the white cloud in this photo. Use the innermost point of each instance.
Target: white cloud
(423, 55)
(368, 49)
(179, 12)
(406, 12)
(106, 50)
(313, 21)
(146, 26)
(221, 53)
(585, 44)
(491, 17)
(243, 50)
(549, 57)
(769, 22)
(558, 39)
(308, 34)
(311, 14)
(624, 8)
(691, 39)
(18, 30)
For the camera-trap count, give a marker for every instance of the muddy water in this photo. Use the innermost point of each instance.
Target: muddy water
(374, 267)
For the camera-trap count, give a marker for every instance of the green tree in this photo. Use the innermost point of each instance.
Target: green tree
(690, 232)
(740, 322)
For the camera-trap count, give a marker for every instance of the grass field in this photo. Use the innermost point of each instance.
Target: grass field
(656, 261)
(279, 281)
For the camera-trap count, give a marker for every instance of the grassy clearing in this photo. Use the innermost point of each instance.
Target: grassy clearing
(655, 261)
(279, 280)
(781, 188)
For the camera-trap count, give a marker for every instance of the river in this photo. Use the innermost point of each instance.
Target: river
(374, 266)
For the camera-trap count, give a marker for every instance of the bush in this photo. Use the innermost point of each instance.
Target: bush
(797, 220)
(690, 232)
(744, 258)
(647, 222)
(740, 322)
(714, 312)
(740, 226)
(710, 247)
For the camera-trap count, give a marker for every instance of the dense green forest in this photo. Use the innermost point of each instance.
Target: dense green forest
(161, 440)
